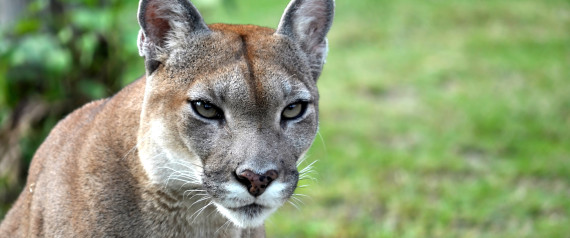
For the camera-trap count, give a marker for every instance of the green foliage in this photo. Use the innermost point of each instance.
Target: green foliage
(59, 46)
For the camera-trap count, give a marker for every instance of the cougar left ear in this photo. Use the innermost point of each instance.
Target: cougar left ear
(307, 22)
(164, 23)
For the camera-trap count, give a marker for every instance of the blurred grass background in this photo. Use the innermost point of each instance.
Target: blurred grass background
(438, 118)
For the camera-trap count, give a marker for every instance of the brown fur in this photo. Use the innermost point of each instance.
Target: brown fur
(143, 164)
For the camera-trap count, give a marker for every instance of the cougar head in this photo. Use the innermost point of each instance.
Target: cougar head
(229, 110)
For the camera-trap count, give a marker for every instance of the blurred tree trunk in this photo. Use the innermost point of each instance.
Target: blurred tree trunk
(12, 171)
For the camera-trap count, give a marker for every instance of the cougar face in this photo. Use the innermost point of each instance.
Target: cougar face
(229, 110)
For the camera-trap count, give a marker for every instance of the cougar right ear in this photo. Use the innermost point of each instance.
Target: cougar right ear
(165, 24)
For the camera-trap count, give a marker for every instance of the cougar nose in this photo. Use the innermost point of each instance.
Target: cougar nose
(256, 183)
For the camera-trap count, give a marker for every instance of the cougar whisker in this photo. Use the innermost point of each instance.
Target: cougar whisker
(197, 213)
(226, 225)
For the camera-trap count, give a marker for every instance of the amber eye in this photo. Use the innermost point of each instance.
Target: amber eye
(294, 111)
(207, 110)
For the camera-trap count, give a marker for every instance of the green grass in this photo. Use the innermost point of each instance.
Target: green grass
(438, 119)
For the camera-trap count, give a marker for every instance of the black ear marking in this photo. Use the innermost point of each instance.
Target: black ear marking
(151, 65)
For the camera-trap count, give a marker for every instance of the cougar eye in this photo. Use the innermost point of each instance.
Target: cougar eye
(294, 111)
(207, 110)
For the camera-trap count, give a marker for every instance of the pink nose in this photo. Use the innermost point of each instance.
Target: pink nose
(256, 183)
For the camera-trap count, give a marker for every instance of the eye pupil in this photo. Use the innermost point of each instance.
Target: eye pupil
(294, 111)
(207, 110)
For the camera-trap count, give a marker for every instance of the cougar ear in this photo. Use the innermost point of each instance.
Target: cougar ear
(164, 24)
(307, 22)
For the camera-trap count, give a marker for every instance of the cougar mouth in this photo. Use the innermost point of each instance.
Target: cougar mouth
(251, 210)
(251, 215)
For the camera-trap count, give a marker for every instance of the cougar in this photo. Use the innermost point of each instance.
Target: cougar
(206, 144)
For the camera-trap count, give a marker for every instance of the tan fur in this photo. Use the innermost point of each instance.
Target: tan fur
(143, 163)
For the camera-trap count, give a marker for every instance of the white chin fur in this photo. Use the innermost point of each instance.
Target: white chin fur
(243, 219)
(235, 206)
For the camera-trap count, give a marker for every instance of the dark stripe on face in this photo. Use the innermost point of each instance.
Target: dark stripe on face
(254, 83)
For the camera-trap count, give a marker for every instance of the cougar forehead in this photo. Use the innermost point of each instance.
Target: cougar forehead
(256, 53)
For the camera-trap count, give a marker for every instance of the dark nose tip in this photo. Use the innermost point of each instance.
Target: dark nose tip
(256, 183)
